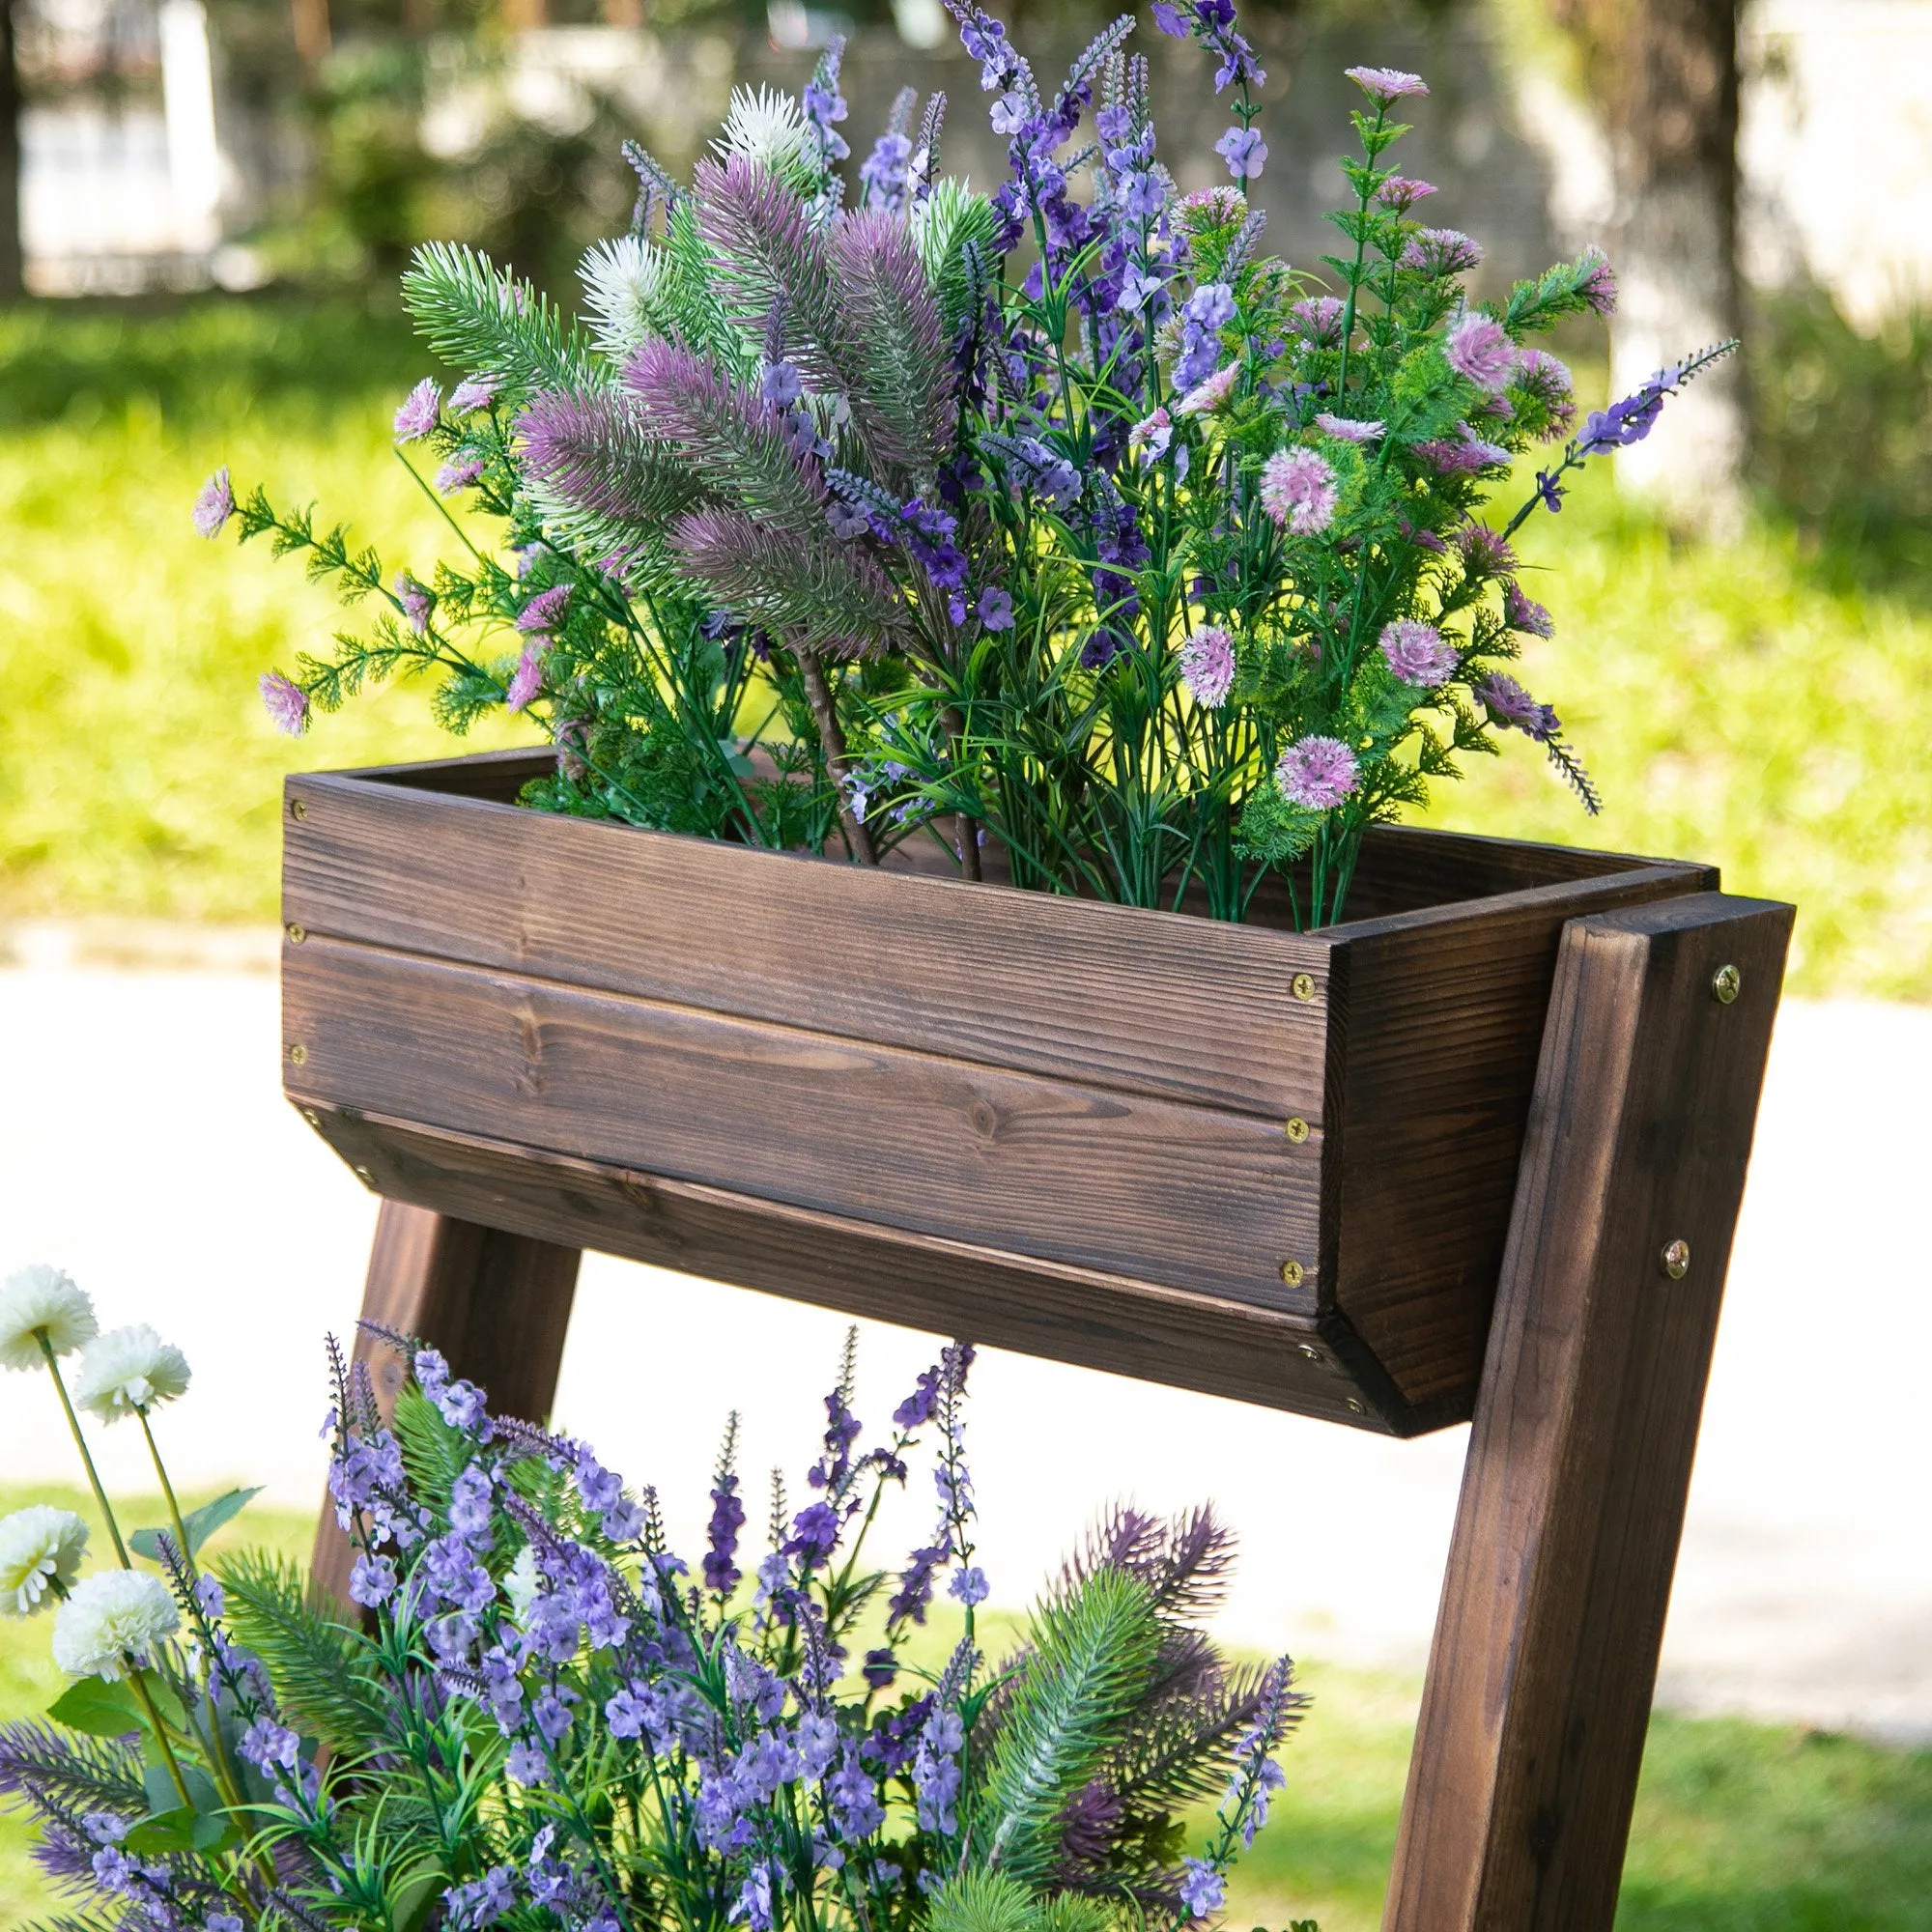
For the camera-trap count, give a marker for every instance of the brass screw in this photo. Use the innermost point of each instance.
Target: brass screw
(1308, 1351)
(1296, 1129)
(297, 1055)
(1293, 1273)
(1302, 986)
(363, 1174)
(1675, 1260)
(296, 809)
(1726, 984)
(312, 1116)
(296, 933)
(1356, 1407)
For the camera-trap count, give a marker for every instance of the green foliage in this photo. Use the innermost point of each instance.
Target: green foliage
(481, 317)
(200, 1525)
(954, 231)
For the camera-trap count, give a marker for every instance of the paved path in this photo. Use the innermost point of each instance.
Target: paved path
(144, 1146)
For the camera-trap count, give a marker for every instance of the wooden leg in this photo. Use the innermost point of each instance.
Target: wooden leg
(497, 1306)
(1544, 1659)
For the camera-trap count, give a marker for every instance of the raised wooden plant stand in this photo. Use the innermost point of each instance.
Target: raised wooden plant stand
(1477, 1151)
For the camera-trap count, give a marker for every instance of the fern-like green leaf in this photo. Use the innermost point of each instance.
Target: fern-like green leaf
(985, 1901)
(1090, 1656)
(943, 226)
(479, 317)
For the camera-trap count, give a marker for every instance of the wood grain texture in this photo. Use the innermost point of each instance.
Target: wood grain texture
(1185, 1196)
(1302, 1362)
(498, 1305)
(1545, 1660)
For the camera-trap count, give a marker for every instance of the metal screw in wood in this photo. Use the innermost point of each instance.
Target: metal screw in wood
(1726, 984)
(312, 1116)
(1302, 986)
(1308, 1351)
(297, 1055)
(296, 933)
(1293, 1273)
(296, 809)
(1296, 1128)
(363, 1174)
(1675, 1260)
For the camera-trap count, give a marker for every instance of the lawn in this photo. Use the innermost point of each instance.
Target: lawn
(1744, 705)
(1740, 1828)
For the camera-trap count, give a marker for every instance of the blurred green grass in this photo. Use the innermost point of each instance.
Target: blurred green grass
(1741, 704)
(1739, 1828)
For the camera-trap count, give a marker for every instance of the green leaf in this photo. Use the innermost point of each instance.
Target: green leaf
(101, 1710)
(200, 1525)
(165, 1830)
(411, 1901)
(173, 1711)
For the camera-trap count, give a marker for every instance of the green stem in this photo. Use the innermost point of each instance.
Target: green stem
(160, 1734)
(168, 1491)
(81, 1444)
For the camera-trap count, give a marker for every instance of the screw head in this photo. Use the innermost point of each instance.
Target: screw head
(1294, 1273)
(1675, 1260)
(296, 809)
(296, 933)
(1308, 1351)
(1726, 984)
(363, 1174)
(1302, 986)
(1296, 1128)
(297, 1055)
(1356, 1407)
(312, 1116)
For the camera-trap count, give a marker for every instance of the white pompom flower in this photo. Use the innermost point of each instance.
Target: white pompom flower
(128, 1369)
(42, 1300)
(41, 1549)
(115, 1617)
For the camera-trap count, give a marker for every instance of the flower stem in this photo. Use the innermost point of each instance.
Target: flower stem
(81, 1444)
(168, 1491)
(161, 1732)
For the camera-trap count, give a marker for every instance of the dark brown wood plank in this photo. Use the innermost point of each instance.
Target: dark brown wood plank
(1122, 1326)
(496, 1304)
(1545, 1660)
(1107, 995)
(1438, 1016)
(1187, 1196)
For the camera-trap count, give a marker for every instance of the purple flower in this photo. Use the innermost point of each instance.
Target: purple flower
(780, 385)
(1401, 192)
(1319, 319)
(1466, 451)
(1207, 666)
(546, 611)
(1546, 381)
(885, 172)
(526, 681)
(421, 412)
(528, 1765)
(1385, 85)
(1508, 703)
(1212, 306)
(727, 1519)
(415, 600)
(1596, 280)
(995, 609)
(286, 702)
(1202, 1888)
(1148, 439)
(1206, 397)
(1347, 429)
(1525, 613)
(1298, 491)
(1171, 20)
(1416, 652)
(473, 392)
(1485, 552)
(824, 104)
(214, 505)
(482, 1902)
(1244, 151)
(969, 1587)
(1318, 772)
(881, 1669)
(984, 39)
(266, 1742)
(373, 1580)
(1442, 251)
(1478, 350)
(915, 1410)
(458, 473)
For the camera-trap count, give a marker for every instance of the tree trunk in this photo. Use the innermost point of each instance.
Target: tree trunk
(1665, 75)
(12, 261)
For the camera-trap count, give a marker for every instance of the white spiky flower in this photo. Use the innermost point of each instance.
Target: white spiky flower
(621, 278)
(520, 1582)
(42, 1300)
(114, 1616)
(767, 127)
(128, 1369)
(41, 1549)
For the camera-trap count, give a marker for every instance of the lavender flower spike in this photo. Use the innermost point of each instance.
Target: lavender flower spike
(214, 505)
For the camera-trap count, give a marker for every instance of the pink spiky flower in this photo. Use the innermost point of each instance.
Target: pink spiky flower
(1525, 613)
(526, 681)
(286, 702)
(1386, 85)
(1207, 666)
(1347, 429)
(473, 392)
(1318, 772)
(1205, 398)
(1298, 491)
(214, 505)
(1417, 652)
(1596, 280)
(1478, 350)
(420, 412)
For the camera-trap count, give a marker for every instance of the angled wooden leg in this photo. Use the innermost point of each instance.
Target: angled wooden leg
(1545, 1658)
(497, 1306)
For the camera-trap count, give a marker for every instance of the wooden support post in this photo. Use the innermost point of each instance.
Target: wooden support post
(1545, 1658)
(497, 1306)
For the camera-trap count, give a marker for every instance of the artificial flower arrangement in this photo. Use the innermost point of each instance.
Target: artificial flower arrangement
(546, 1719)
(1059, 526)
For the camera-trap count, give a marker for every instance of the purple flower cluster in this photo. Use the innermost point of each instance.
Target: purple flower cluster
(1212, 25)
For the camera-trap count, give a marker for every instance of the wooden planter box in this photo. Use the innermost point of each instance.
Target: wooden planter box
(1271, 1165)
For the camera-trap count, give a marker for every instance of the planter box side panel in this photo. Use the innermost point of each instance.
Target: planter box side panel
(949, 1287)
(1189, 1197)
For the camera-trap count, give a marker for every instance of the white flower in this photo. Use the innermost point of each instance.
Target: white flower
(114, 1616)
(520, 1581)
(39, 1556)
(621, 278)
(128, 1369)
(43, 1297)
(767, 127)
